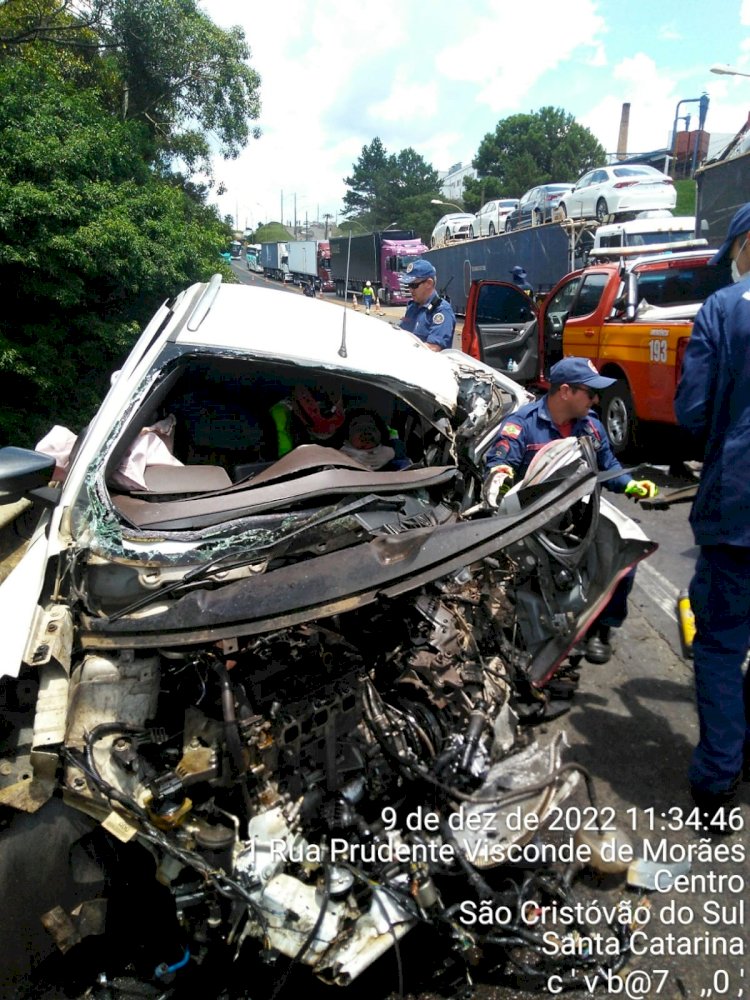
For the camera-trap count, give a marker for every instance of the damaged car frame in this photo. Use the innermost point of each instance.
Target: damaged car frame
(272, 708)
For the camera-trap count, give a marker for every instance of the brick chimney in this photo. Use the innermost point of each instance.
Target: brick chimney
(622, 139)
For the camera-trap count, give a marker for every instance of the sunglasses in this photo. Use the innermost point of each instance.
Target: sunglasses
(591, 393)
(416, 284)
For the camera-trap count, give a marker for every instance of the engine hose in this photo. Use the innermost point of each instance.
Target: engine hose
(231, 732)
(90, 768)
(481, 887)
(477, 723)
(163, 970)
(505, 799)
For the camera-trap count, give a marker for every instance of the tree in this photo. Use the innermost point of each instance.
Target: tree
(370, 177)
(395, 188)
(544, 147)
(186, 77)
(91, 241)
(99, 101)
(163, 63)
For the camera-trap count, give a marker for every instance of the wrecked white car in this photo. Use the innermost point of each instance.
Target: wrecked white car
(268, 712)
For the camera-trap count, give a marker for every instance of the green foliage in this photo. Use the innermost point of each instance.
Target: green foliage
(272, 232)
(370, 177)
(184, 76)
(544, 147)
(686, 194)
(91, 241)
(386, 189)
(162, 63)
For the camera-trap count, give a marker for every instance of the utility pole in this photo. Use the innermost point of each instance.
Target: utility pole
(327, 217)
(295, 215)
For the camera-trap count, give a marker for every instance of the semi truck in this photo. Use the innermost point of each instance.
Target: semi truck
(274, 259)
(381, 258)
(252, 256)
(310, 261)
(547, 252)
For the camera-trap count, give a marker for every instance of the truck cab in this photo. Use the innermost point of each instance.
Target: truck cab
(631, 316)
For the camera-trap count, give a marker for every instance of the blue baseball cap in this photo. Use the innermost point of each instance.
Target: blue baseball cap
(518, 271)
(419, 270)
(739, 225)
(578, 371)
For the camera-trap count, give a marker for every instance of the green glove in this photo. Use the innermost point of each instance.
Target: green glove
(499, 480)
(641, 489)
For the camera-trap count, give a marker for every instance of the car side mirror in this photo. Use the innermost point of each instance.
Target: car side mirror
(23, 472)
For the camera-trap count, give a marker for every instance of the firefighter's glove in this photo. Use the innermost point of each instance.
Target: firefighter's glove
(499, 480)
(643, 489)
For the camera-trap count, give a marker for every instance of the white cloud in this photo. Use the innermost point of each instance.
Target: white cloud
(336, 74)
(670, 33)
(505, 79)
(405, 100)
(305, 56)
(651, 95)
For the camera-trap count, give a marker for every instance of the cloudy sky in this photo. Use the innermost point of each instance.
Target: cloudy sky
(438, 76)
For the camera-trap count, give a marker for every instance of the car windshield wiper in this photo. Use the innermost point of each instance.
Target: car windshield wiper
(231, 560)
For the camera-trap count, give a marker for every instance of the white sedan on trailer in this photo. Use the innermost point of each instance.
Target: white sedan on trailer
(456, 226)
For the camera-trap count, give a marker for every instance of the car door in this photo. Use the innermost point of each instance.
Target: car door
(501, 330)
(578, 201)
(484, 216)
(527, 205)
(577, 306)
(600, 182)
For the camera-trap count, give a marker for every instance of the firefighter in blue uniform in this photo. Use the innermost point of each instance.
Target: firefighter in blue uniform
(566, 412)
(428, 316)
(713, 401)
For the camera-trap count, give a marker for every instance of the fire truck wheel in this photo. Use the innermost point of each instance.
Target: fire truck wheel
(617, 416)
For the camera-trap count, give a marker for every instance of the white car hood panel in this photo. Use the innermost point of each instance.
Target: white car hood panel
(308, 332)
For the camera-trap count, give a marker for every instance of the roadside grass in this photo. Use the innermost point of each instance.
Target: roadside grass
(685, 197)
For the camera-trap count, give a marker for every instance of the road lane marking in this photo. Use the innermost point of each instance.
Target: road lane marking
(662, 591)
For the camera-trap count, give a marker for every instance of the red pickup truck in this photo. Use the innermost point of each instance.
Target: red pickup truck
(632, 317)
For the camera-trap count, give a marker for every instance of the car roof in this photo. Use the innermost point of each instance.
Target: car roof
(270, 324)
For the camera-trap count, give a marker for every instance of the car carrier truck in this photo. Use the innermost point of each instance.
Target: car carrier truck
(547, 253)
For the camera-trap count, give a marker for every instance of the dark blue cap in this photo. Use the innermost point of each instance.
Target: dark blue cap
(578, 371)
(419, 270)
(518, 271)
(739, 226)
